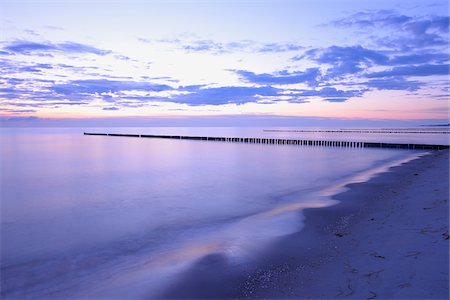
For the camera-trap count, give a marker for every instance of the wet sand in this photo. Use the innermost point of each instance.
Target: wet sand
(387, 239)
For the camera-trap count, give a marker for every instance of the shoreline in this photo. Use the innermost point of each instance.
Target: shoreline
(387, 238)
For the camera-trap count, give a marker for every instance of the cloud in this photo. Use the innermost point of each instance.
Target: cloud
(132, 94)
(422, 26)
(111, 108)
(31, 32)
(98, 86)
(279, 47)
(398, 31)
(9, 67)
(112, 91)
(200, 95)
(421, 70)
(393, 84)
(40, 94)
(391, 18)
(36, 68)
(345, 60)
(216, 47)
(224, 95)
(245, 46)
(28, 47)
(361, 62)
(419, 58)
(7, 90)
(17, 111)
(310, 76)
(331, 94)
(204, 46)
(373, 18)
(53, 27)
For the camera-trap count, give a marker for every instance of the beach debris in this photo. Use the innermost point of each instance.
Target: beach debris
(349, 288)
(349, 268)
(345, 293)
(374, 273)
(374, 254)
(445, 235)
(338, 234)
(373, 295)
(372, 219)
(427, 229)
(415, 174)
(426, 208)
(404, 285)
(413, 254)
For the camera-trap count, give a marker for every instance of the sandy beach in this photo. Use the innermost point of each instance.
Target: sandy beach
(387, 239)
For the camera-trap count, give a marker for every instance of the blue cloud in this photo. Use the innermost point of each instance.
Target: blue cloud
(393, 19)
(310, 76)
(213, 46)
(331, 94)
(111, 108)
(97, 86)
(35, 68)
(393, 84)
(279, 47)
(355, 61)
(216, 47)
(373, 18)
(14, 81)
(198, 94)
(224, 95)
(7, 90)
(422, 26)
(19, 111)
(419, 58)
(204, 46)
(345, 60)
(400, 31)
(421, 70)
(28, 47)
(25, 47)
(42, 94)
(71, 47)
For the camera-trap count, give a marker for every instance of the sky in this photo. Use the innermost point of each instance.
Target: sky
(316, 61)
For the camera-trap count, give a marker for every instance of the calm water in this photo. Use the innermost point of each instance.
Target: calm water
(418, 135)
(101, 217)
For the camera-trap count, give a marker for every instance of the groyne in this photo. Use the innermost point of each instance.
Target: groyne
(281, 141)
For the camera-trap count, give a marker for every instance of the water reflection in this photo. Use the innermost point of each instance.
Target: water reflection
(99, 216)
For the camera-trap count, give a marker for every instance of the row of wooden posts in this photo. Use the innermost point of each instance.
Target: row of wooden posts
(384, 131)
(279, 141)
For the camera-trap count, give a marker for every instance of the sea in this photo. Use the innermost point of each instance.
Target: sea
(102, 217)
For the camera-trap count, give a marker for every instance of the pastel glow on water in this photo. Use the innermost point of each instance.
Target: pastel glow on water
(114, 212)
